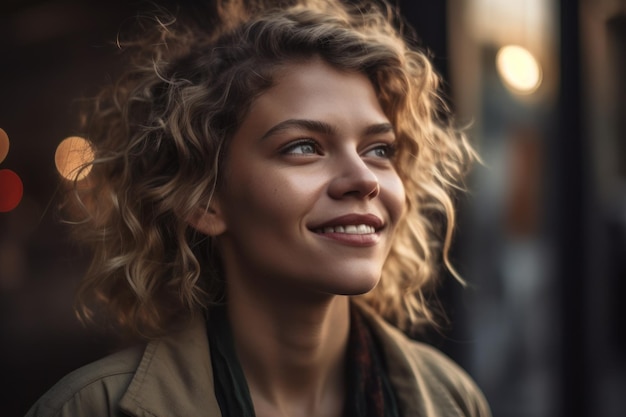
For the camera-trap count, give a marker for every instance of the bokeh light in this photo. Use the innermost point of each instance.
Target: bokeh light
(519, 69)
(72, 158)
(4, 144)
(11, 190)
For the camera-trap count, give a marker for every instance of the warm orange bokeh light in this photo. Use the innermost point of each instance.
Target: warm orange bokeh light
(72, 158)
(4, 144)
(519, 69)
(11, 190)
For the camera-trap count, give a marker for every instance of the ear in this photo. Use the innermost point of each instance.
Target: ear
(208, 220)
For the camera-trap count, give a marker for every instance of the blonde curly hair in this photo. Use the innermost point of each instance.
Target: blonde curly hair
(161, 132)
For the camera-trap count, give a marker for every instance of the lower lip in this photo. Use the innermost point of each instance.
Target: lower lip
(353, 239)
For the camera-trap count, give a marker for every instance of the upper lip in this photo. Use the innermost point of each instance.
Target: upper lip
(352, 219)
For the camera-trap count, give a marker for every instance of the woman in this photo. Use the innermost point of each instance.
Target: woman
(262, 200)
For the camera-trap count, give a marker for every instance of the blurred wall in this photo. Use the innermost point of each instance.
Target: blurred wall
(543, 232)
(52, 53)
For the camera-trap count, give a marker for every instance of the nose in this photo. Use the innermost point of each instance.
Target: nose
(354, 178)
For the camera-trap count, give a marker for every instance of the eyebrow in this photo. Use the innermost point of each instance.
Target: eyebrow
(323, 128)
(378, 129)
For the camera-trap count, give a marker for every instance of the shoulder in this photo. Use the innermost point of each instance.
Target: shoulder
(92, 390)
(427, 381)
(443, 374)
(441, 382)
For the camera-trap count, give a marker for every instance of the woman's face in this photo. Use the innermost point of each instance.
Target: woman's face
(311, 198)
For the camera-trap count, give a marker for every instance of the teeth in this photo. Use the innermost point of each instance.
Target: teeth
(359, 229)
(363, 229)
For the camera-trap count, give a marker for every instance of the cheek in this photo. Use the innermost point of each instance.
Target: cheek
(394, 196)
(268, 194)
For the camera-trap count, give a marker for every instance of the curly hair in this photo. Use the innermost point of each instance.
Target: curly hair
(161, 133)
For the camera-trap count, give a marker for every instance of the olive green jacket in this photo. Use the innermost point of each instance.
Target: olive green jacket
(172, 377)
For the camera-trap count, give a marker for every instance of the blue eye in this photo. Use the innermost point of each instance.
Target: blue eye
(385, 151)
(301, 147)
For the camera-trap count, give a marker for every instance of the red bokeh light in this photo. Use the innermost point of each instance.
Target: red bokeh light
(11, 190)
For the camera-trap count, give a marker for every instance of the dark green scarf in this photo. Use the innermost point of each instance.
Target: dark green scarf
(368, 393)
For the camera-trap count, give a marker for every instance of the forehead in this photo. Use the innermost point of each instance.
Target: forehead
(314, 90)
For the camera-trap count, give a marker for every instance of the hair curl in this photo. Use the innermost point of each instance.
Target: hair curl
(161, 132)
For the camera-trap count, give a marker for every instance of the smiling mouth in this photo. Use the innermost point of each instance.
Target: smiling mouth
(357, 229)
(350, 226)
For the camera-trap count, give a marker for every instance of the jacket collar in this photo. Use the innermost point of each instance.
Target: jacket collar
(426, 382)
(174, 377)
(404, 374)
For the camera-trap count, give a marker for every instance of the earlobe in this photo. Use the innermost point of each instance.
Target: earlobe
(208, 220)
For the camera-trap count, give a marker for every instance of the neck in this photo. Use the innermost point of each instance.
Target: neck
(291, 349)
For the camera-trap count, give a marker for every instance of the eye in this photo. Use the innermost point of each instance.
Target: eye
(301, 147)
(385, 151)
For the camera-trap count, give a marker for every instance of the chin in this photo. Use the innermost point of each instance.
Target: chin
(357, 285)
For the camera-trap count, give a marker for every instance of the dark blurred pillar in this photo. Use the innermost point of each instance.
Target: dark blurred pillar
(569, 217)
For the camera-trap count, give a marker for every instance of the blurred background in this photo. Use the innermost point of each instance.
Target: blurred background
(542, 234)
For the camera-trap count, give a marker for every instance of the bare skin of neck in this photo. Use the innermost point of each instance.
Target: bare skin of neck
(292, 350)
